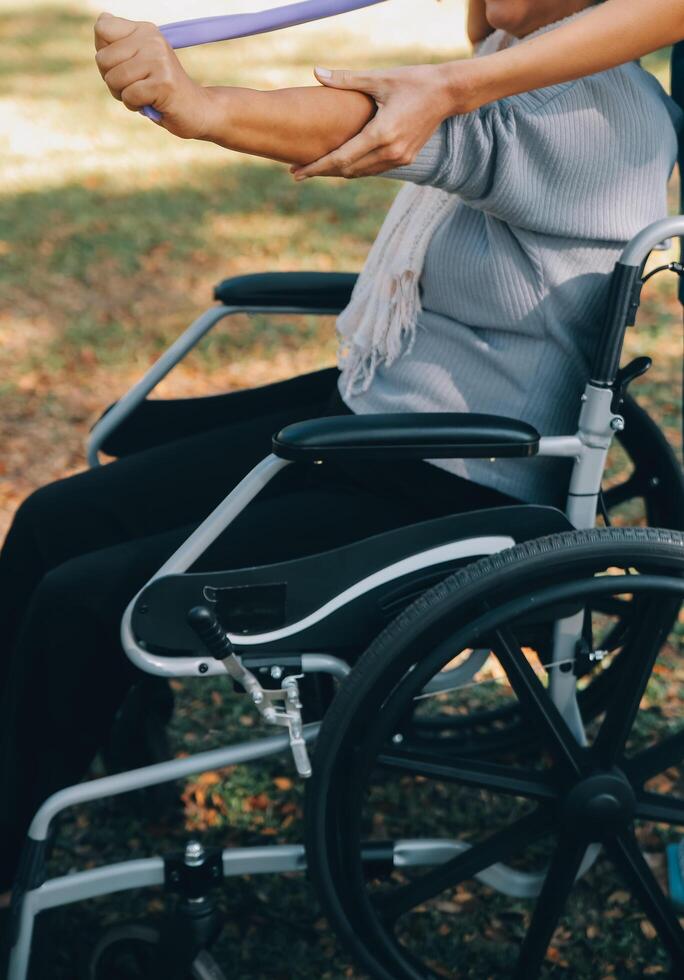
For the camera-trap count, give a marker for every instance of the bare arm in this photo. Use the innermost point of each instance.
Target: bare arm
(613, 33)
(413, 102)
(294, 125)
(478, 25)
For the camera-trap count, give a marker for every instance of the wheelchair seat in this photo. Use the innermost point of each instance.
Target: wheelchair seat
(336, 600)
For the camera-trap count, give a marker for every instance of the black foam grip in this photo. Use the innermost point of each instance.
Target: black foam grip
(208, 629)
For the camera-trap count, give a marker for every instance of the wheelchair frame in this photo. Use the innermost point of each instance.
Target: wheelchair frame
(598, 423)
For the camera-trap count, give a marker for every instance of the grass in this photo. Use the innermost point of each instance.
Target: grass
(112, 236)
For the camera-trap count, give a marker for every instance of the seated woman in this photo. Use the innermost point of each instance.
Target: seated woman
(484, 292)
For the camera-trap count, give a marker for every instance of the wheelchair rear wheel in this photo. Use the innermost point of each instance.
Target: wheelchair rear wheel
(552, 814)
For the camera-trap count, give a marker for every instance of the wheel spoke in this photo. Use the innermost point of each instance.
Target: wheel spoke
(637, 659)
(533, 695)
(631, 488)
(485, 775)
(660, 809)
(651, 762)
(626, 854)
(610, 606)
(501, 845)
(558, 884)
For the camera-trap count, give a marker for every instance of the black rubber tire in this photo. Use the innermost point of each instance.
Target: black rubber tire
(446, 607)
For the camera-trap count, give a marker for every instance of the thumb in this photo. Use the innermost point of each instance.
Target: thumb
(359, 81)
(109, 28)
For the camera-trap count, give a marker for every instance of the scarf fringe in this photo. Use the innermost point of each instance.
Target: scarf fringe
(379, 324)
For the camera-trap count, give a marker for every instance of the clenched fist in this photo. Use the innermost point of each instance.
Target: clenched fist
(140, 69)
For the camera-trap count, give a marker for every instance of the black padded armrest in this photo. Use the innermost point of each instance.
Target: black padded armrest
(310, 290)
(447, 435)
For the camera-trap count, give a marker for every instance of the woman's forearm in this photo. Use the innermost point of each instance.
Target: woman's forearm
(295, 125)
(614, 33)
(478, 25)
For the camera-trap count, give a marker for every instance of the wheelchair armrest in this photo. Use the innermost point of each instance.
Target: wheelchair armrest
(417, 436)
(307, 290)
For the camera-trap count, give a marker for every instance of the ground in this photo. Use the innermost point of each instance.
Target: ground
(111, 237)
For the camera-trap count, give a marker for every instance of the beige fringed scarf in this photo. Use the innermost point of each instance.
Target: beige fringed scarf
(379, 324)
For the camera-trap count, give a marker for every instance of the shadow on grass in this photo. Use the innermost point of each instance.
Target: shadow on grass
(100, 263)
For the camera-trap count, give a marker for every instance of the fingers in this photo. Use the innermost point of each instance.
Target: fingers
(374, 150)
(370, 165)
(360, 81)
(109, 28)
(120, 77)
(140, 93)
(374, 163)
(339, 162)
(133, 57)
(115, 54)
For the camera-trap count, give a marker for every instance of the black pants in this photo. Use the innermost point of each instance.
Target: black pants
(79, 549)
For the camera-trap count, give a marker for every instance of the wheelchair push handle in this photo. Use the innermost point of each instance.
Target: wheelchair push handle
(229, 27)
(625, 294)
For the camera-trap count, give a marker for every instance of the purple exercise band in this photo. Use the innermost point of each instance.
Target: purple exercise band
(228, 27)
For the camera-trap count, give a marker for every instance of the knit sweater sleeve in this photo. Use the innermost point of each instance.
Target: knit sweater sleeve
(575, 160)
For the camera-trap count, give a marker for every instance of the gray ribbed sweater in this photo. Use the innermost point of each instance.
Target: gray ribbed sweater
(551, 185)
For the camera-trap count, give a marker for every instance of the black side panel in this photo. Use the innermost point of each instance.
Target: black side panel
(296, 588)
(311, 290)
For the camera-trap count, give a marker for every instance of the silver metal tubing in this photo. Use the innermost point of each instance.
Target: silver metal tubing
(223, 515)
(183, 558)
(179, 349)
(560, 446)
(563, 685)
(270, 859)
(581, 511)
(75, 888)
(161, 367)
(595, 435)
(161, 772)
(106, 880)
(323, 663)
(641, 246)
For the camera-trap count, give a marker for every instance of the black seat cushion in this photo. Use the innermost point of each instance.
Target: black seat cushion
(425, 435)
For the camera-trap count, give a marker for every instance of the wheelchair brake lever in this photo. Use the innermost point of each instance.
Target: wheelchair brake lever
(211, 634)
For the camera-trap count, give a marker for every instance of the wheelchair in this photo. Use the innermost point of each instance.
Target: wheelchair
(461, 695)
